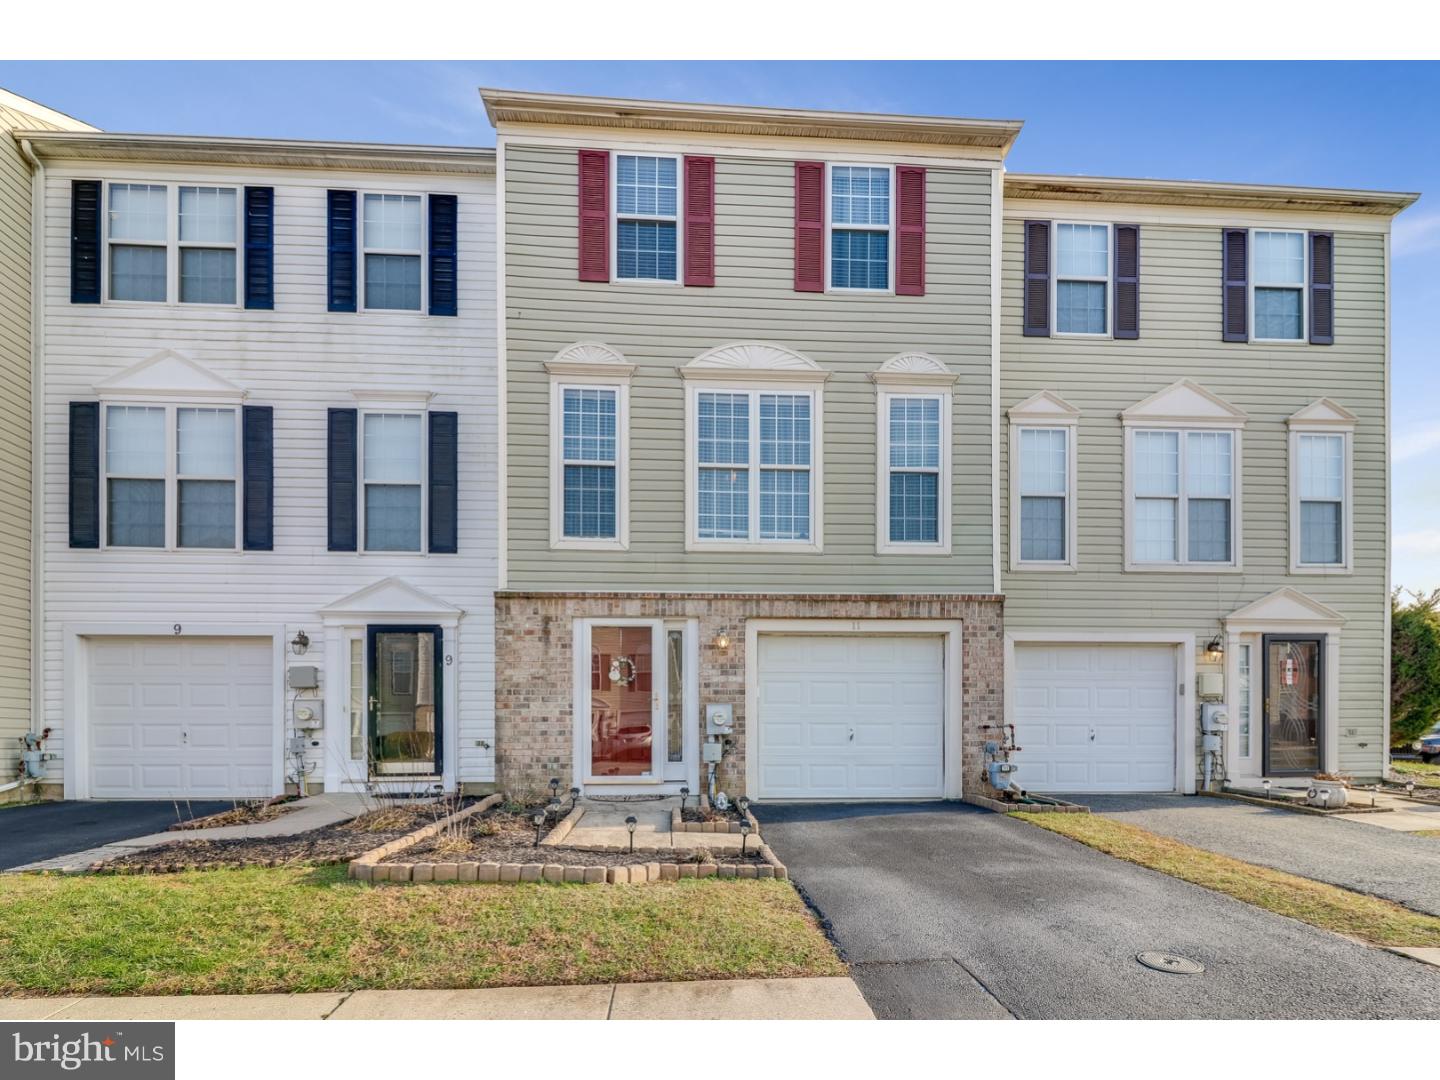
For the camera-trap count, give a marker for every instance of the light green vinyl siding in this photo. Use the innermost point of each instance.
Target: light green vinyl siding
(661, 327)
(1180, 338)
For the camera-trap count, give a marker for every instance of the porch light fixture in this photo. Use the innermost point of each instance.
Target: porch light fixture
(300, 644)
(1215, 650)
(684, 794)
(722, 641)
(630, 824)
(744, 836)
(539, 820)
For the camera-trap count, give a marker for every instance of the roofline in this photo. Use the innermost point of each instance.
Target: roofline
(1205, 193)
(290, 153)
(43, 112)
(530, 107)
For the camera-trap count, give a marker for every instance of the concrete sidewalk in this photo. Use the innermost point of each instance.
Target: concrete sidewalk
(737, 999)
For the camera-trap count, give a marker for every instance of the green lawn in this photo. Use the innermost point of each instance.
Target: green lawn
(267, 931)
(1369, 918)
(1423, 775)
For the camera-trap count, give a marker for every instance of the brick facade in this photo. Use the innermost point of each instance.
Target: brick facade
(534, 645)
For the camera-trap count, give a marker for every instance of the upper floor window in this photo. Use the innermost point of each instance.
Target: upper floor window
(1277, 285)
(647, 215)
(152, 260)
(1082, 278)
(860, 214)
(392, 473)
(1183, 495)
(392, 238)
(170, 476)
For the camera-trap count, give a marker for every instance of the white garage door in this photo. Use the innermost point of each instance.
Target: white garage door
(188, 718)
(850, 717)
(1092, 718)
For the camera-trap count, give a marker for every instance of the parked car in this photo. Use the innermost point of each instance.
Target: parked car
(1429, 745)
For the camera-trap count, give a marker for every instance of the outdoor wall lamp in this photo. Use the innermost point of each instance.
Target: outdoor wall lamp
(722, 641)
(300, 644)
(1215, 651)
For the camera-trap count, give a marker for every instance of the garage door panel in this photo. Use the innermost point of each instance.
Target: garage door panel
(1093, 718)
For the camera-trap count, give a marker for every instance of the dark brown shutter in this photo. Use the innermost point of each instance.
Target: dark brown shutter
(1127, 281)
(1322, 288)
(909, 230)
(699, 220)
(1037, 279)
(809, 226)
(1236, 285)
(594, 199)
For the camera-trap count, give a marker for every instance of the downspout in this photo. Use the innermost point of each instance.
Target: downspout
(37, 439)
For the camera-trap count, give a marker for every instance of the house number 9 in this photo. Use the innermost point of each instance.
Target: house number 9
(177, 628)
(449, 659)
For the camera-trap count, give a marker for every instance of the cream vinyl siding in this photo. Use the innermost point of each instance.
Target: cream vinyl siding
(1180, 338)
(660, 327)
(301, 360)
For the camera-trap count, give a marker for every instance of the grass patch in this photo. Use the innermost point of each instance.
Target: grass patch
(1435, 833)
(1369, 918)
(1423, 775)
(270, 931)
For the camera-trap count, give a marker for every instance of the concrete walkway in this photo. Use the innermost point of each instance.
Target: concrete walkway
(314, 812)
(604, 826)
(738, 999)
(1345, 850)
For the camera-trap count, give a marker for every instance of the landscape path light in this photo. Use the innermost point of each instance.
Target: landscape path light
(630, 824)
(539, 820)
(744, 836)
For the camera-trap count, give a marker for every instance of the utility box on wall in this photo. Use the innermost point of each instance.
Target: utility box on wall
(302, 677)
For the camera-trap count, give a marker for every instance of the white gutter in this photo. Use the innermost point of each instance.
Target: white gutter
(37, 435)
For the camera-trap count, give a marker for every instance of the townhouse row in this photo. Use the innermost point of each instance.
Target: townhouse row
(783, 452)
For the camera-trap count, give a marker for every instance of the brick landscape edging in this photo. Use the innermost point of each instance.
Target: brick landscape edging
(368, 866)
(730, 827)
(1000, 807)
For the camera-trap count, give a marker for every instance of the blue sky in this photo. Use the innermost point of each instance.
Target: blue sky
(1328, 124)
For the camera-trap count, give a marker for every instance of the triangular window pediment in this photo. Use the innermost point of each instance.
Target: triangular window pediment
(1044, 407)
(1184, 402)
(1284, 606)
(1323, 412)
(168, 374)
(392, 597)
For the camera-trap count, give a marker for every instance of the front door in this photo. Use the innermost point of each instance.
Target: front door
(1294, 704)
(626, 730)
(405, 700)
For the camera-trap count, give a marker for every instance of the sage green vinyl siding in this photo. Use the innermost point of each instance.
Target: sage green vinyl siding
(1180, 338)
(661, 327)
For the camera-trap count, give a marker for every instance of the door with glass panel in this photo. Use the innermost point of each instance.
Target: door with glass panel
(1294, 704)
(626, 699)
(405, 702)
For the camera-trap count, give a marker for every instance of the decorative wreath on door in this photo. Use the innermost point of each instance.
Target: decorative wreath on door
(622, 671)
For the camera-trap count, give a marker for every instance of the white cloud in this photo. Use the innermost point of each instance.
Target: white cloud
(1415, 235)
(1416, 441)
(1420, 542)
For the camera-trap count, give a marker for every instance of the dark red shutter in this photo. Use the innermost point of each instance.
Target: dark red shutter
(594, 215)
(1037, 279)
(699, 221)
(1322, 288)
(909, 230)
(1236, 286)
(1127, 281)
(809, 226)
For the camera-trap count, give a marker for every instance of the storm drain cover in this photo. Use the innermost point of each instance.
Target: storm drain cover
(1176, 965)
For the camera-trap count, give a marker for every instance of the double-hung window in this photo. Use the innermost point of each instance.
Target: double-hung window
(392, 472)
(754, 456)
(1183, 496)
(1082, 279)
(392, 236)
(143, 227)
(1277, 285)
(171, 476)
(860, 208)
(647, 217)
(590, 460)
(1321, 498)
(1044, 491)
(915, 469)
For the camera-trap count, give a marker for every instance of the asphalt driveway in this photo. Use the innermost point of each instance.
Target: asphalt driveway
(946, 911)
(1398, 866)
(48, 830)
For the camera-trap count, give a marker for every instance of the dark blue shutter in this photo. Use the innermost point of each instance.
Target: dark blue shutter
(1322, 288)
(340, 241)
(342, 481)
(85, 241)
(85, 474)
(444, 483)
(1236, 285)
(260, 248)
(1127, 281)
(444, 244)
(1036, 316)
(258, 496)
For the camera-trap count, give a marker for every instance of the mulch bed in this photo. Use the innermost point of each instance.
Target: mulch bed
(247, 813)
(703, 814)
(507, 835)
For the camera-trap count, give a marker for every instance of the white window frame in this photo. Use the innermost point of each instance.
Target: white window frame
(1069, 426)
(397, 409)
(172, 470)
(621, 389)
(831, 226)
(883, 470)
(615, 218)
(422, 252)
(1182, 563)
(1108, 280)
(172, 243)
(1347, 510)
(1304, 287)
(753, 390)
